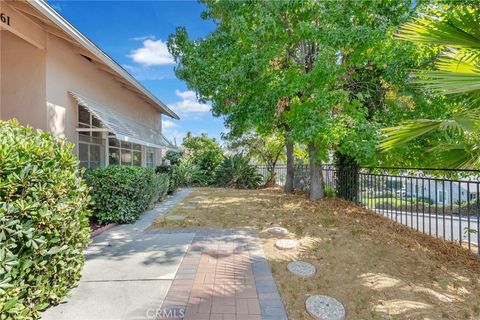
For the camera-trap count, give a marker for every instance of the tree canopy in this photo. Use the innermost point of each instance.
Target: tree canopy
(324, 74)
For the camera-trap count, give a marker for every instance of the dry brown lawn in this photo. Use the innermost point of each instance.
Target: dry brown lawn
(378, 269)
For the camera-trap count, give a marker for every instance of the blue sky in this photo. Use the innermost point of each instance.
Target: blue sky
(134, 34)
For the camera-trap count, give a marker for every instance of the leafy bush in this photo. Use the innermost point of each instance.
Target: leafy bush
(204, 152)
(236, 172)
(43, 220)
(172, 182)
(188, 174)
(121, 193)
(173, 156)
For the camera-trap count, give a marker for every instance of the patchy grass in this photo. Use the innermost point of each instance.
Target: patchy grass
(377, 268)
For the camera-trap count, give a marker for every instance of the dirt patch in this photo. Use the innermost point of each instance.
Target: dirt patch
(377, 268)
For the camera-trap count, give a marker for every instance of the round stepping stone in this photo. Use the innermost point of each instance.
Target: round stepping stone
(286, 244)
(175, 218)
(325, 308)
(303, 269)
(277, 230)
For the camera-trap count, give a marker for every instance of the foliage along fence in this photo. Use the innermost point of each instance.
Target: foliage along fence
(443, 203)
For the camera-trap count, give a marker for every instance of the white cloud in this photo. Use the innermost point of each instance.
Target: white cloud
(189, 103)
(142, 38)
(153, 53)
(167, 124)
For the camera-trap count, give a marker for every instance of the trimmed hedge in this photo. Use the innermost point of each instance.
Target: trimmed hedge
(43, 220)
(121, 194)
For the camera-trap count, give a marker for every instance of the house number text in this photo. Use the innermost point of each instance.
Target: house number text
(4, 18)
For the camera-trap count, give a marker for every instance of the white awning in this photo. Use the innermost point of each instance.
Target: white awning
(123, 128)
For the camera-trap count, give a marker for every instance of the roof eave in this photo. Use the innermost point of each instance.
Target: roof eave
(63, 24)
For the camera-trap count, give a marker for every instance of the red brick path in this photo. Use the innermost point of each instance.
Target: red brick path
(223, 275)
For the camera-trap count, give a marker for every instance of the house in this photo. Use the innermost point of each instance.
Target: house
(439, 191)
(55, 79)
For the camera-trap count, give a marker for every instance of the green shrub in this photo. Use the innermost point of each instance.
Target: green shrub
(43, 220)
(204, 152)
(187, 174)
(121, 193)
(172, 182)
(236, 172)
(174, 156)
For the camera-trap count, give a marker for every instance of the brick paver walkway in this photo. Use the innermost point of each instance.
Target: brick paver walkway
(224, 275)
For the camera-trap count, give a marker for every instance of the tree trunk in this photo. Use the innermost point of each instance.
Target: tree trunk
(347, 177)
(316, 176)
(271, 175)
(290, 169)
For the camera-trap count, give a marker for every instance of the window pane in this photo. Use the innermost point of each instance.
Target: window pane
(83, 133)
(95, 153)
(113, 142)
(137, 147)
(126, 157)
(126, 145)
(137, 158)
(96, 123)
(83, 152)
(149, 159)
(83, 115)
(113, 156)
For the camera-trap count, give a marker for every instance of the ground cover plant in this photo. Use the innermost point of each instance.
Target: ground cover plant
(43, 220)
(121, 193)
(377, 268)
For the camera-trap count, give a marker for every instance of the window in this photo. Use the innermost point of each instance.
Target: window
(124, 153)
(91, 145)
(442, 196)
(149, 157)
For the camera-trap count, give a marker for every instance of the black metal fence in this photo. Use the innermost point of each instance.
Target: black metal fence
(443, 203)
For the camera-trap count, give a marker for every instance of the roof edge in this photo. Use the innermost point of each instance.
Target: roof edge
(67, 27)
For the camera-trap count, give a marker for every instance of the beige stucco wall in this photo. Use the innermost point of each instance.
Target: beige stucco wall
(22, 70)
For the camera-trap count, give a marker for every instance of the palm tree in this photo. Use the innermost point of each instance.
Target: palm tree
(458, 32)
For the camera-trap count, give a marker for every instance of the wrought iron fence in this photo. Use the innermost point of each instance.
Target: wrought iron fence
(443, 203)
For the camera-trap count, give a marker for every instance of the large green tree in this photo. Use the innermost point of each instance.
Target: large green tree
(264, 67)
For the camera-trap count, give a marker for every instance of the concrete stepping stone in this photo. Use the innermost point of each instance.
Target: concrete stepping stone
(302, 269)
(175, 218)
(277, 230)
(325, 308)
(286, 244)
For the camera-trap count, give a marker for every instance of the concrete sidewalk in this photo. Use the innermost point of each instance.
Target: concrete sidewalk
(128, 272)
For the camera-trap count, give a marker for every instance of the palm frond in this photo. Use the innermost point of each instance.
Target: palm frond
(407, 131)
(459, 156)
(447, 82)
(454, 60)
(461, 122)
(459, 30)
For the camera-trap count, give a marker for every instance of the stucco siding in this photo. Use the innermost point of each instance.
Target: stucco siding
(23, 93)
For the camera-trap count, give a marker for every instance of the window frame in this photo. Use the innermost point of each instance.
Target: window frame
(91, 135)
(134, 148)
